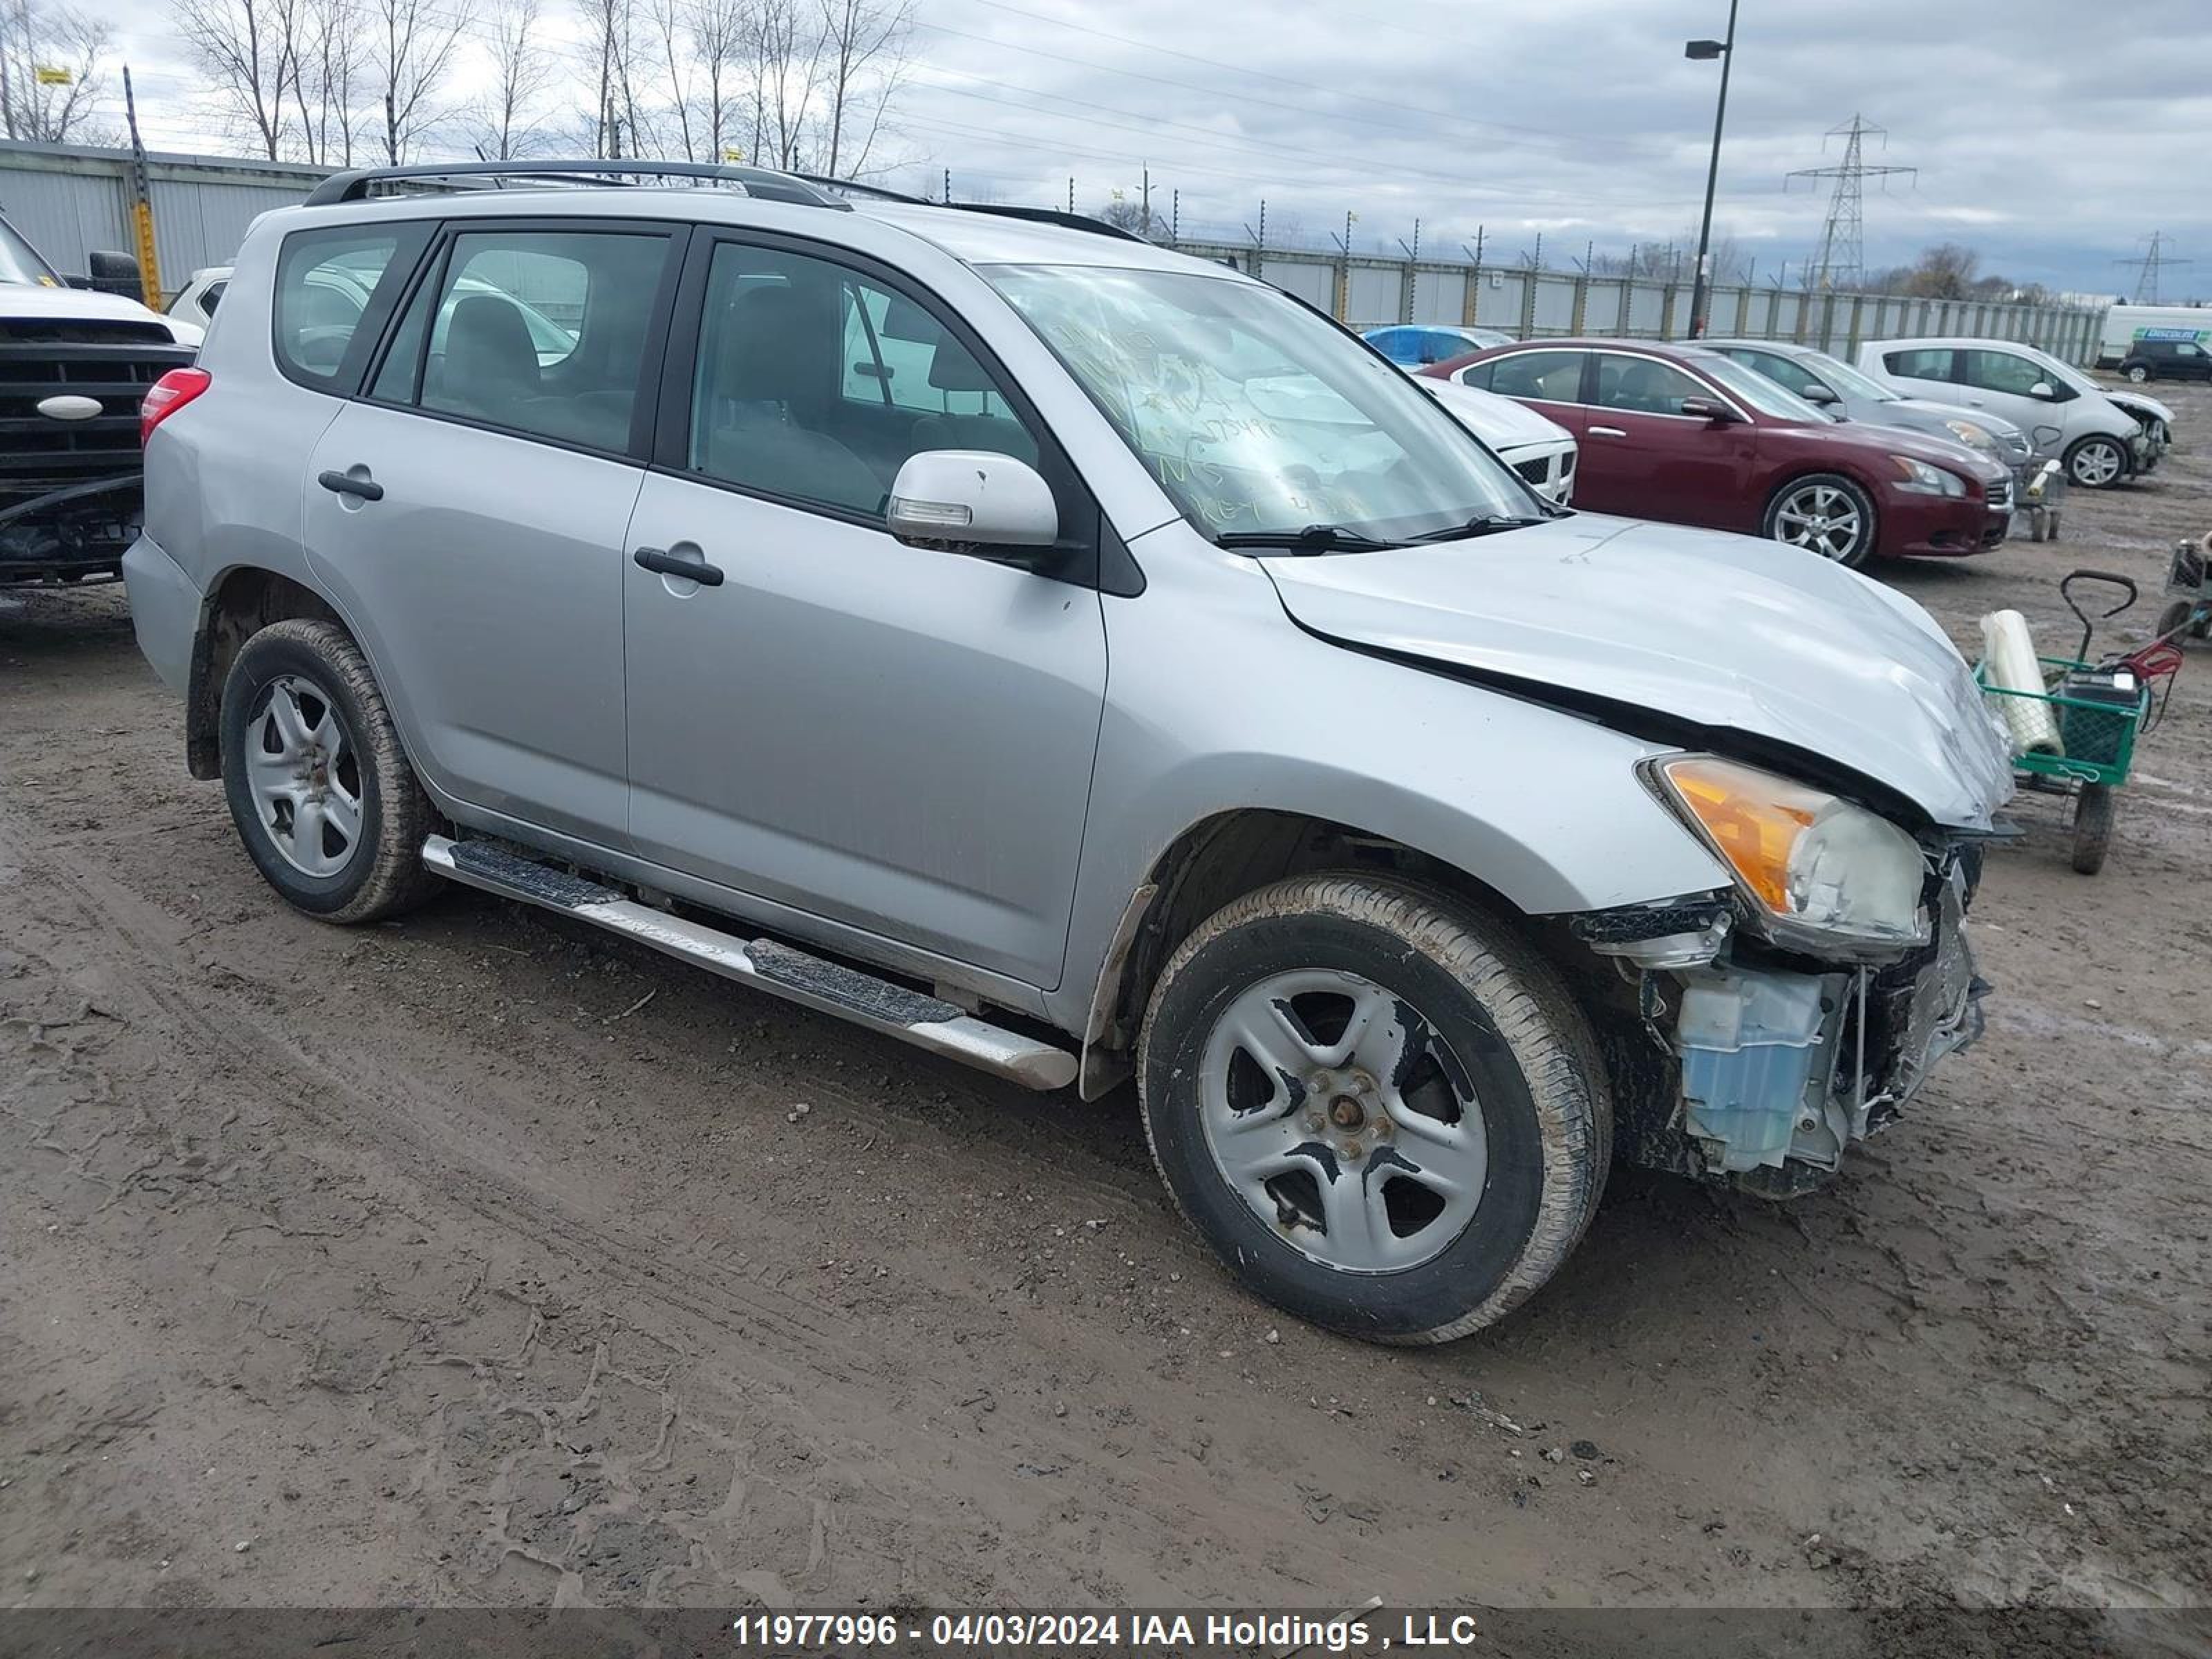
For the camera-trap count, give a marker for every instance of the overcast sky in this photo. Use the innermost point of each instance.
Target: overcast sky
(2053, 135)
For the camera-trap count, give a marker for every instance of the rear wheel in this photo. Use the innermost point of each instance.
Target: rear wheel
(2137, 372)
(2175, 618)
(2094, 811)
(322, 793)
(1824, 513)
(1383, 1110)
(2097, 463)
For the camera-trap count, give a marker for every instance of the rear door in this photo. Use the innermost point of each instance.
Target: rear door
(469, 509)
(1548, 381)
(1647, 460)
(1923, 372)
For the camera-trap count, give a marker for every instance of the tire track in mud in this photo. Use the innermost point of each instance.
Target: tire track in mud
(791, 1339)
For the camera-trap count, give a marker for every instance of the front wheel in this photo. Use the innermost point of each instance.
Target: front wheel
(1826, 514)
(2094, 811)
(2097, 463)
(2175, 618)
(322, 793)
(2137, 374)
(1383, 1110)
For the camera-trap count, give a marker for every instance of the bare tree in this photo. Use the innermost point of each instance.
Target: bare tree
(330, 57)
(864, 46)
(787, 65)
(247, 49)
(720, 33)
(411, 50)
(1126, 212)
(620, 125)
(40, 43)
(507, 117)
(671, 42)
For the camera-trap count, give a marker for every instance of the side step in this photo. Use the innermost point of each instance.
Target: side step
(777, 969)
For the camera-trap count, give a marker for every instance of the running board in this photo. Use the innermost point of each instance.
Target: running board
(779, 970)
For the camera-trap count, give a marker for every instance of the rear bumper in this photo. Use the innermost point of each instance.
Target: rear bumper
(165, 610)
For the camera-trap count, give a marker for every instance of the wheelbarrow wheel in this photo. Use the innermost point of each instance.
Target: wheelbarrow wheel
(2175, 618)
(2093, 813)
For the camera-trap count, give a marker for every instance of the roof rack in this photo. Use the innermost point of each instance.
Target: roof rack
(1036, 215)
(762, 183)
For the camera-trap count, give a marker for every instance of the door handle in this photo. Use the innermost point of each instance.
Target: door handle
(1607, 431)
(341, 484)
(672, 564)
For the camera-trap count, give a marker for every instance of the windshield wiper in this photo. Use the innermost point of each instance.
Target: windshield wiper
(1314, 538)
(1482, 524)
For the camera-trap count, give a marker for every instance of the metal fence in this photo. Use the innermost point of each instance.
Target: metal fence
(69, 200)
(1368, 292)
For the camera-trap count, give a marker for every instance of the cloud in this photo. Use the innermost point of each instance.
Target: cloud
(1580, 120)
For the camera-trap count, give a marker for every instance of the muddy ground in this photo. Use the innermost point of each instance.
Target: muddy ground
(477, 1259)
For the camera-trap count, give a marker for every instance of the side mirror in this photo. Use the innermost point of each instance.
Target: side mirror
(2043, 389)
(1706, 408)
(972, 500)
(115, 273)
(1817, 393)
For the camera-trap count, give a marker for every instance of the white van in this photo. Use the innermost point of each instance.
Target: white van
(2126, 324)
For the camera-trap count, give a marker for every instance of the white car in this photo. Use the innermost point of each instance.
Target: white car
(1540, 450)
(2104, 438)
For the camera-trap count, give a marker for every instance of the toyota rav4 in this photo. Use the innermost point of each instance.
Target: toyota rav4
(1072, 658)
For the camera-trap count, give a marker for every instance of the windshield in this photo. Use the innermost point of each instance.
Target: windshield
(1761, 393)
(1257, 416)
(20, 261)
(1847, 380)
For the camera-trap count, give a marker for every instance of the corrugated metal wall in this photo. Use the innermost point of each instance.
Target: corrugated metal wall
(1377, 291)
(69, 200)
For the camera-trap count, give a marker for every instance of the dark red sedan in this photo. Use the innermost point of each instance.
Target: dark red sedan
(1686, 435)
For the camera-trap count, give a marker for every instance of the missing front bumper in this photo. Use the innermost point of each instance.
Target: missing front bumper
(1782, 1073)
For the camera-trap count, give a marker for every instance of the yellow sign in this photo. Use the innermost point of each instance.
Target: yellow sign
(48, 75)
(732, 153)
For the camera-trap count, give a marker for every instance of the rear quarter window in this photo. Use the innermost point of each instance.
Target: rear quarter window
(1922, 363)
(334, 290)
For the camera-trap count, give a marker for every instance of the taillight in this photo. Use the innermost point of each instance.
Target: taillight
(167, 395)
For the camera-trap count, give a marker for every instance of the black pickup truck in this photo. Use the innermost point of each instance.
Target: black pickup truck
(74, 362)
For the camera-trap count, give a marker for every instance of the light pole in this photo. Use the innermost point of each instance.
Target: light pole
(1704, 51)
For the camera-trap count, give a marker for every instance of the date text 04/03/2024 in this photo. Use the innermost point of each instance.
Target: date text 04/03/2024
(1337, 1634)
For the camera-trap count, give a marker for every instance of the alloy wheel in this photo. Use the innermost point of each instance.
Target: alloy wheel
(2097, 463)
(1341, 1117)
(304, 773)
(1822, 519)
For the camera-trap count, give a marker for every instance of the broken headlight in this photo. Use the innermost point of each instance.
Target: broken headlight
(1821, 872)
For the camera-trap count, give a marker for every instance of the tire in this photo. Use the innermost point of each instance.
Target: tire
(1813, 512)
(1475, 1039)
(2175, 618)
(2095, 811)
(305, 731)
(2096, 462)
(2137, 372)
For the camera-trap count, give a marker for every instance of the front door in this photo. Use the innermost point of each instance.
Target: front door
(470, 514)
(892, 739)
(1644, 457)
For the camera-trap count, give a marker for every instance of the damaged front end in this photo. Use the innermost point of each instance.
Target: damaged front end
(1759, 1064)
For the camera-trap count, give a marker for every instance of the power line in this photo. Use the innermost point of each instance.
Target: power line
(1840, 261)
(1255, 150)
(2149, 263)
(1533, 133)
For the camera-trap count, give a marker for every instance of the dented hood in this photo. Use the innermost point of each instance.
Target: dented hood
(1729, 633)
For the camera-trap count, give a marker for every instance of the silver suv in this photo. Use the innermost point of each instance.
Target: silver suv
(1077, 661)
